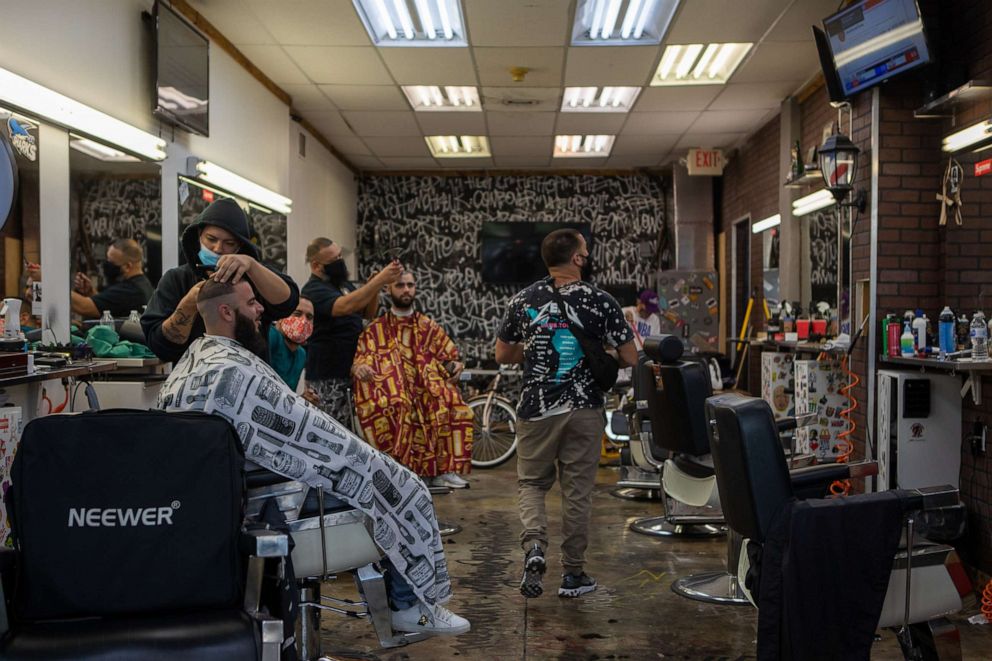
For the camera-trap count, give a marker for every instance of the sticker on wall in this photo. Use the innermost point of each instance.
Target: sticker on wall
(21, 137)
(183, 192)
(37, 309)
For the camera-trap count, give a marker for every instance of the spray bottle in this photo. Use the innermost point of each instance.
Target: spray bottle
(907, 342)
(920, 332)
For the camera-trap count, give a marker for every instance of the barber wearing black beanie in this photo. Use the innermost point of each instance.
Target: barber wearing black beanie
(216, 245)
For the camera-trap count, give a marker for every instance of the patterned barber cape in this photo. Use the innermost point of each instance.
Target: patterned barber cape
(408, 409)
(282, 432)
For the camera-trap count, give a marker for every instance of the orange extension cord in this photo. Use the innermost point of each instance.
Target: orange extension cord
(844, 444)
(987, 601)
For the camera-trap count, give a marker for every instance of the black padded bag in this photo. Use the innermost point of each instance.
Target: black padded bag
(126, 511)
(603, 366)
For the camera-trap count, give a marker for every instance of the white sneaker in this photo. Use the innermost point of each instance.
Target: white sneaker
(417, 619)
(452, 480)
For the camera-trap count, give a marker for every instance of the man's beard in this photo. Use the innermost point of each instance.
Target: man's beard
(248, 336)
(401, 304)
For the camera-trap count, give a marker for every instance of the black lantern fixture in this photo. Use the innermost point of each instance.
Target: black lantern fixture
(838, 164)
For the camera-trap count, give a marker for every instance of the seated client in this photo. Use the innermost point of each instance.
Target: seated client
(221, 373)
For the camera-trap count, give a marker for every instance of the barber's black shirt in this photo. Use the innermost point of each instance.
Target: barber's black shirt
(123, 296)
(332, 346)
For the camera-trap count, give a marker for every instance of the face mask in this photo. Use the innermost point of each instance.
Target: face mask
(207, 256)
(111, 271)
(587, 269)
(296, 329)
(337, 271)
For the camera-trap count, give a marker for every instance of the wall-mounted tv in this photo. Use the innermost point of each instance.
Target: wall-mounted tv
(182, 72)
(874, 40)
(511, 252)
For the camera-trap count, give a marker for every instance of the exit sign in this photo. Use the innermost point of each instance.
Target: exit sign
(705, 162)
(983, 167)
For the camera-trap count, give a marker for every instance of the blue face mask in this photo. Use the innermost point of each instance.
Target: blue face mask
(208, 257)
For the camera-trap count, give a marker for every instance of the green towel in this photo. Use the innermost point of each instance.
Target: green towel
(106, 343)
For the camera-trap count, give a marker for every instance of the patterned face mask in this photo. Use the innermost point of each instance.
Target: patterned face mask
(296, 329)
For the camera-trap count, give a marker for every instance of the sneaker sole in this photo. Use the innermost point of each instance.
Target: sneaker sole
(452, 631)
(576, 592)
(531, 586)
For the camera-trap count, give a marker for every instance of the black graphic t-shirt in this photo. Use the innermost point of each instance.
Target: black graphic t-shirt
(556, 377)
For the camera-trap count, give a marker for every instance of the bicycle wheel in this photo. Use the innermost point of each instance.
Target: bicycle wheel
(493, 440)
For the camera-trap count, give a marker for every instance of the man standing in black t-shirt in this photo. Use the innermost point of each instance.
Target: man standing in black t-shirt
(560, 415)
(338, 311)
(125, 285)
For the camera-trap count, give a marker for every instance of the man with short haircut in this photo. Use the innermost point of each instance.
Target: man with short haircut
(222, 374)
(125, 285)
(560, 415)
(339, 308)
(406, 399)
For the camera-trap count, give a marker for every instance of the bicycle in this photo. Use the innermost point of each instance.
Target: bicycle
(494, 429)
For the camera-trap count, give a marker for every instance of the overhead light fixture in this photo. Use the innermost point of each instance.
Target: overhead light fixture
(455, 146)
(699, 64)
(413, 22)
(973, 135)
(813, 202)
(100, 151)
(432, 98)
(583, 146)
(767, 223)
(622, 22)
(47, 104)
(241, 187)
(596, 99)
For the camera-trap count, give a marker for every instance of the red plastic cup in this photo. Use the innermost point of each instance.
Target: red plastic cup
(802, 328)
(820, 327)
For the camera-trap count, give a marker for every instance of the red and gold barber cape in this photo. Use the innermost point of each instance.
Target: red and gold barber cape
(408, 410)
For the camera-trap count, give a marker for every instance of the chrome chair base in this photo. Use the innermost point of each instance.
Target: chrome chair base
(637, 493)
(447, 529)
(717, 587)
(659, 526)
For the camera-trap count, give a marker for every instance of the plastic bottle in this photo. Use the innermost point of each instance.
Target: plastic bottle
(885, 333)
(979, 338)
(894, 333)
(107, 320)
(946, 332)
(134, 318)
(963, 332)
(908, 316)
(907, 342)
(920, 332)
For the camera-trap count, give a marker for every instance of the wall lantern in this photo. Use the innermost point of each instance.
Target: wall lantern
(838, 165)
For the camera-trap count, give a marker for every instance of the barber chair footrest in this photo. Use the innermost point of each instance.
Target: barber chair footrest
(660, 526)
(636, 493)
(718, 587)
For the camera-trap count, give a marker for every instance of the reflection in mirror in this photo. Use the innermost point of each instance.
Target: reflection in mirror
(769, 268)
(820, 263)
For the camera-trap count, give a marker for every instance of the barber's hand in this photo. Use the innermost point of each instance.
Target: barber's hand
(34, 271)
(363, 373)
(83, 284)
(455, 372)
(189, 300)
(389, 273)
(231, 268)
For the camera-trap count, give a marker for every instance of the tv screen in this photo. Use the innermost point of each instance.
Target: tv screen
(874, 40)
(182, 72)
(511, 252)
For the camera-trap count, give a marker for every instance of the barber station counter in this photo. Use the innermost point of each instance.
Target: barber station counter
(133, 384)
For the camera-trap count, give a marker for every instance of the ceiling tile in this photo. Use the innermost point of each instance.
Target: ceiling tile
(649, 123)
(350, 145)
(366, 97)
(545, 65)
(275, 63)
(795, 24)
(341, 65)
(779, 61)
(311, 22)
(689, 97)
(328, 122)
(639, 145)
(730, 121)
(611, 65)
(520, 123)
(430, 66)
(398, 146)
(239, 26)
(308, 97)
(719, 21)
(518, 22)
(709, 140)
(452, 123)
(752, 96)
(516, 99)
(522, 161)
(409, 163)
(603, 123)
(465, 163)
(573, 163)
(365, 162)
(634, 161)
(382, 122)
(530, 146)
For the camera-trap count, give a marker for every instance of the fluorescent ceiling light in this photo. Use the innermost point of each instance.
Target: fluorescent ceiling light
(100, 151)
(699, 64)
(238, 185)
(622, 22)
(42, 102)
(596, 99)
(767, 223)
(432, 98)
(972, 135)
(583, 146)
(413, 22)
(813, 202)
(454, 146)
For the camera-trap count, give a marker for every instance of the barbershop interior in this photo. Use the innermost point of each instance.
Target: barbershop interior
(495, 329)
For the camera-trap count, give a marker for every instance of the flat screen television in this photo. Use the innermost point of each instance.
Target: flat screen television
(511, 252)
(874, 40)
(182, 72)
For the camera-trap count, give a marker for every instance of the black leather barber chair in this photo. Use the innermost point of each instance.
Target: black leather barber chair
(128, 543)
(927, 580)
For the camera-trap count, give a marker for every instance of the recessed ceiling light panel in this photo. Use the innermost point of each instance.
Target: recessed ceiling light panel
(458, 146)
(413, 22)
(434, 98)
(622, 22)
(699, 64)
(583, 146)
(599, 99)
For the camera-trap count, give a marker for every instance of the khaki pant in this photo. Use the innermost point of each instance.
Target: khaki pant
(570, 443)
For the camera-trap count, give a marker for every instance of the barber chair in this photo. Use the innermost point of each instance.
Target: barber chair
(129, 543)
(927, 580)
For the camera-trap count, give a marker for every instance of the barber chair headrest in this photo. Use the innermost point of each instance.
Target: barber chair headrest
(663, 348)
(750, 467)
(686, 386)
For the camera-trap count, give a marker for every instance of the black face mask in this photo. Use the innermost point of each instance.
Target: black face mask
(336, 271)
(111, 272)
(246, 335)
(587, 269)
